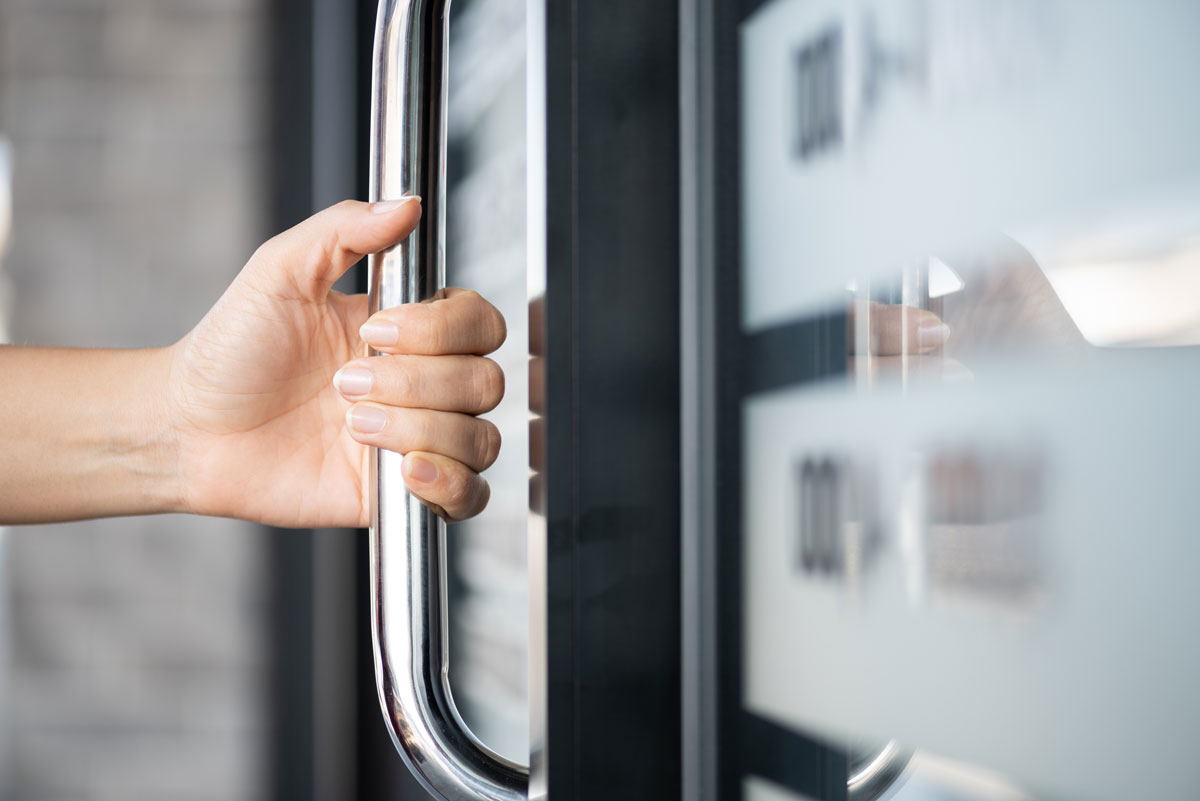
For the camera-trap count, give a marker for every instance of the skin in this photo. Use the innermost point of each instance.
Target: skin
(1007, 305)
(251, 415)
(896, 330)
(900, 340)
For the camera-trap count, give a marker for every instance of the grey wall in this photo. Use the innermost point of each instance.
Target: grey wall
(136, 648)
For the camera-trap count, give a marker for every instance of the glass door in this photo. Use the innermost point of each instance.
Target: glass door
(942, 285)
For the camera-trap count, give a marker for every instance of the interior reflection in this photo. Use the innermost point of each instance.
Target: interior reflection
(1066, 291)
(1106, 287)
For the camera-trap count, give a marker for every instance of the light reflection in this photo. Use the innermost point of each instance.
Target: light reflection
(942, 279)
(1131, 283)
(1152, 302)
(1128, 274)
(5, 194)
(935, 778)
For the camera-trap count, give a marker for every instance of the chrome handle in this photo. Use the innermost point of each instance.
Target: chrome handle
(408, 542)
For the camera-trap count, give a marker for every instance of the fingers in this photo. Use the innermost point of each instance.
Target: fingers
(461, 437)
(305, 260)
(893, 330)
(448, 487)
(455, 321)
(467, 384)
(420, 396)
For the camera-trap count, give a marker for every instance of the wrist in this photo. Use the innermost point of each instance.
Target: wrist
(128, 434)
(87, 434)
(156, 434)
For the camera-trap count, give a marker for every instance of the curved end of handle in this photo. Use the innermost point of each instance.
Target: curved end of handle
(437, 747)
(408, 617)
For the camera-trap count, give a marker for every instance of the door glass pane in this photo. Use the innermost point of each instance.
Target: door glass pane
(489, 610)
(971, 298)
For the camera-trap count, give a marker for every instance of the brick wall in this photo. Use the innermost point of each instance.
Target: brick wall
(136, 649)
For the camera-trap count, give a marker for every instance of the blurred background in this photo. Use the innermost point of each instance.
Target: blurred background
(152, 145)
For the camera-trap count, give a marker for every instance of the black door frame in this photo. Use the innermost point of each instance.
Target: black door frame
(610, 362)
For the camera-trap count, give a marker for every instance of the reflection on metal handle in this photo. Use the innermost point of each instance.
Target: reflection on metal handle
(408, 552)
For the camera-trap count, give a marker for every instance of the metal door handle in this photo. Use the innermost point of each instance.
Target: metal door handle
(408, 548)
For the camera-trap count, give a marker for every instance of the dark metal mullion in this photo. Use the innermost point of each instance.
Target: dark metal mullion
(290, 180)
(612, 400)
(334, 144)
(291, 707)
(727, 490)
(698, 250)
(558, 341)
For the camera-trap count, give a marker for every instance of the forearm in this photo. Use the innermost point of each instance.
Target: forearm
(84, 434)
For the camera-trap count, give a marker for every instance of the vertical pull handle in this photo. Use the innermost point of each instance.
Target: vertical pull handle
(408, 549)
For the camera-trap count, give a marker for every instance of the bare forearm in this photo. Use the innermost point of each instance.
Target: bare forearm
(84, 434)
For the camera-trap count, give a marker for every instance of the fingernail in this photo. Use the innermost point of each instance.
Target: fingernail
(353, 380)
(386, 206)
(932, 335)
(366, 419)
(420, 469)
(379, 333)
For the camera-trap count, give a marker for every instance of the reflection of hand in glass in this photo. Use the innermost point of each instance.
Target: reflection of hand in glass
(890, 339)
(893, 329)
(1007, 304)
(244, 417)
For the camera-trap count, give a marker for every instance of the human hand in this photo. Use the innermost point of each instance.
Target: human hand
(889, 340)
(1006, 306)
(265, 432)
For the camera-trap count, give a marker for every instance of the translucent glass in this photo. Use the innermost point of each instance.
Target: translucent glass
(968, 527)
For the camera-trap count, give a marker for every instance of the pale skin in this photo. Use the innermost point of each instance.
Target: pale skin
(267, 410)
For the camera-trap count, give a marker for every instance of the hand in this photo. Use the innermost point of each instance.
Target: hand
(893, 330)
(889, 341)
(262, 431)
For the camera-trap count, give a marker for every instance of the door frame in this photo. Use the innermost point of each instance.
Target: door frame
(604, 138)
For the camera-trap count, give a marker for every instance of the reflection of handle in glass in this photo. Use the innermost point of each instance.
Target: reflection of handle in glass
(408, 549)
(875, 771)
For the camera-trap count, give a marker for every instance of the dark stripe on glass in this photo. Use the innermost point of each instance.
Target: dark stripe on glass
(794, 353)
(790, 759)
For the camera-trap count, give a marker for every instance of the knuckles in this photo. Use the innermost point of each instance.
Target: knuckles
(466, 495)
(459, 490)
(488, 443)
(461, 323)
(487, 384)
(496, 328)
(474, 385)
(405, 382)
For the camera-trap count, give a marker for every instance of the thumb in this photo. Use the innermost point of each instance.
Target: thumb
(304, 261)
